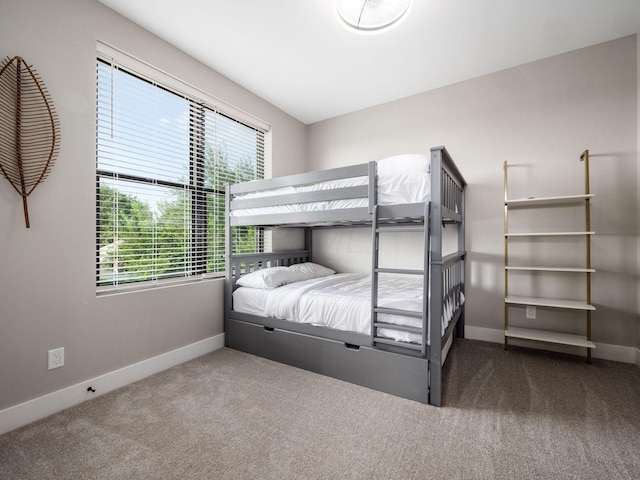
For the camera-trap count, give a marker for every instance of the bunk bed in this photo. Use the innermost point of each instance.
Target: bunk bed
(398, 345)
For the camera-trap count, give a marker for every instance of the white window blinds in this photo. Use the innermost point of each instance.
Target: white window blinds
(163, 159)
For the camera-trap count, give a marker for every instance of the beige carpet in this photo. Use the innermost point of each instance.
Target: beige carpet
(507, 415)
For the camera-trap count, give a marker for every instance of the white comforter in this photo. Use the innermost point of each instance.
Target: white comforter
(343, 302)
(394, 189)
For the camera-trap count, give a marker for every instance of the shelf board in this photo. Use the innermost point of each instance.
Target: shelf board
(553, 269)
(550, 302)
(547, 234)
(535, 201)
(549, 337)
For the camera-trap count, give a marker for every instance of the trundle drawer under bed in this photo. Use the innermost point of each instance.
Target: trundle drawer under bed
(389, 372)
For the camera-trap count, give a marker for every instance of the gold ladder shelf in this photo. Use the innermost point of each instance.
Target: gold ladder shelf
(583, 305)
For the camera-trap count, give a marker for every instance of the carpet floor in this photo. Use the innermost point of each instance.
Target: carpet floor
(522, 414)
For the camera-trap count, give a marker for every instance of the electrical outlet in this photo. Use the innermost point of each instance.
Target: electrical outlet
(56, 358)
(531, 312)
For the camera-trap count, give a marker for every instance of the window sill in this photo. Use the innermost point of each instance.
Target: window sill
(154, 284)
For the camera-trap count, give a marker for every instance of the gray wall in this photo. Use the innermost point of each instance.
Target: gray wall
(47, 291)
(541, 116)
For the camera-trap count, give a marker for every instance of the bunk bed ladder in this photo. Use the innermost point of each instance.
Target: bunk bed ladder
(377, 229)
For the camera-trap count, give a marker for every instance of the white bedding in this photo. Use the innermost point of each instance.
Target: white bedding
(342, 302)
(392, 189)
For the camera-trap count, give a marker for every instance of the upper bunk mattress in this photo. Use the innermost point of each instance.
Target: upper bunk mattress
(400, 179)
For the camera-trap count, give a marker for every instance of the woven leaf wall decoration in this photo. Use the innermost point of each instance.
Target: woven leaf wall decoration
(29, 128)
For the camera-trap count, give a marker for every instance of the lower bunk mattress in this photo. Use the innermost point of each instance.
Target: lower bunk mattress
(343, 302)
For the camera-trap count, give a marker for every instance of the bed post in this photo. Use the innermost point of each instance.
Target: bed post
(461, 248)
(308, 238)
(373, 186)
(228, 284)
(435, 325)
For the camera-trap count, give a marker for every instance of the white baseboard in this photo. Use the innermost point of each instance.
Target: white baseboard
(605, 351)
(40, 407)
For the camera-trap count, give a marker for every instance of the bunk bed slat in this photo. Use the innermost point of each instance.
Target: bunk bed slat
(451, 215)
(324, 216)
(343, 193)
(400, 328)
(339, 173)
(450, 259)
(400, 271)
(398, 311)
(400, 229)
(387, 341)
(407, 210)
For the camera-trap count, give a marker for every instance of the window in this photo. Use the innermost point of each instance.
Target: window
(163, 159)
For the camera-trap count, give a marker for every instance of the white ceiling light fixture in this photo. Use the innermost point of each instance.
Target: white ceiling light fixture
(372, 15)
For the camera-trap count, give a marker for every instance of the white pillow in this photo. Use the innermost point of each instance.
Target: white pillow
(266, 278)
(308, 270)
(406, 164)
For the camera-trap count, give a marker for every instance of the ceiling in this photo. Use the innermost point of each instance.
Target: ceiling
(297, 55)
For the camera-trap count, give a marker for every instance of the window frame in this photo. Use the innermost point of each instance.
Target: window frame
(199, 102)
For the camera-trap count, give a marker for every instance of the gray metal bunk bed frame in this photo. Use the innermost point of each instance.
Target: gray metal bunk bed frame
(408, 370)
